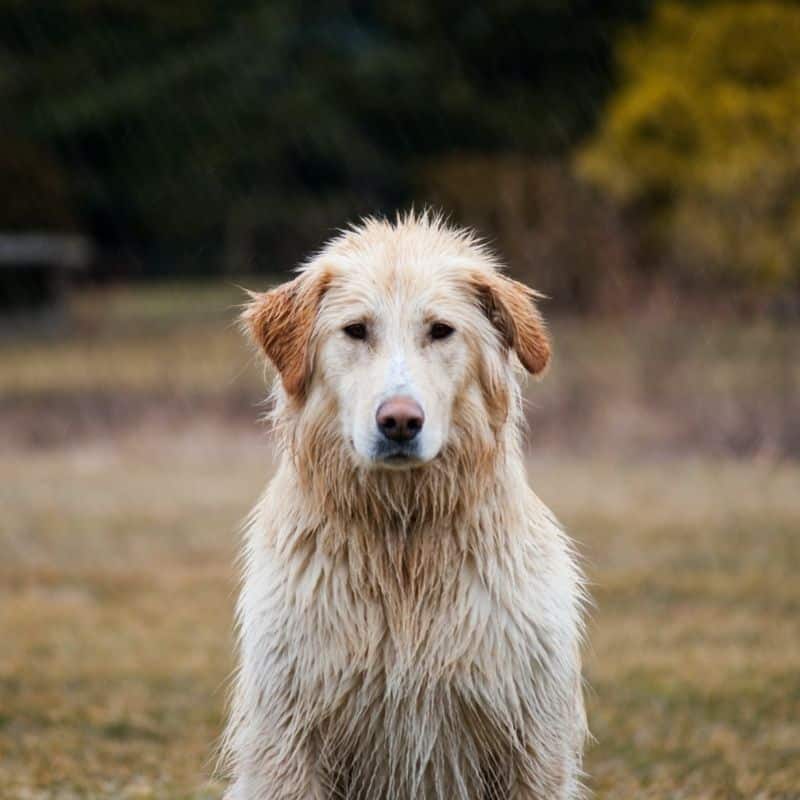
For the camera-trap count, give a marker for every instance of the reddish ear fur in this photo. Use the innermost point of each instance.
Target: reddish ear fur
(281, 322)
(510, 306)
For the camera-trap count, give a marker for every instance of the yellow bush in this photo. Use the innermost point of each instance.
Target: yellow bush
(703, 137)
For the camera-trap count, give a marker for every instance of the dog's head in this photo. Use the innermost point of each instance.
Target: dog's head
(396, 343)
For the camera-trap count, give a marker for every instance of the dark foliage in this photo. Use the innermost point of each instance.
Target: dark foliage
(196, 135)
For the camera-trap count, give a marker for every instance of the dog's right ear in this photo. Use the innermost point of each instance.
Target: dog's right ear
(281, 322)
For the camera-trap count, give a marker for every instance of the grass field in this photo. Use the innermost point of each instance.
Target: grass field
(172, 353)
(132, 454)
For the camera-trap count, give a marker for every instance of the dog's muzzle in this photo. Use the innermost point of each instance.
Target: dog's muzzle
(399, 421)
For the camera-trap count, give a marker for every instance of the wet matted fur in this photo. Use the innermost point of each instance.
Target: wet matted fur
(409, 628)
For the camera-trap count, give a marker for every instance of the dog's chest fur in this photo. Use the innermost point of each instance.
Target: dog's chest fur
(415, 660)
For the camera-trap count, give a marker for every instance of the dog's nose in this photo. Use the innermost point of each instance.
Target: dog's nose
(400, 418)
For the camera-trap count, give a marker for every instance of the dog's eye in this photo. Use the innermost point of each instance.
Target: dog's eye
(358, 330)
(440, 330)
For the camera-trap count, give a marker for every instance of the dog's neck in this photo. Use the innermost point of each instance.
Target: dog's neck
(446, 495)
(402, 538)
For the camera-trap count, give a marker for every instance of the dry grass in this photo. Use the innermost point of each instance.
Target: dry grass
(117, 584)
(695, 664)
(117, 587)
(172, 352)
(117, 577)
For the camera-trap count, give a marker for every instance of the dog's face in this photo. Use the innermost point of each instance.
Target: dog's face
(399, 338)
(394, 347)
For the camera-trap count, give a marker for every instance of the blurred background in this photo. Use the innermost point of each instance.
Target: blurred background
(638, 162)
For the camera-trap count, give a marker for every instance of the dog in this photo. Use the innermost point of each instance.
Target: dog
(410, 620)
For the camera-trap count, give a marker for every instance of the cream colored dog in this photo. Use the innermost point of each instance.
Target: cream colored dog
(410, 618)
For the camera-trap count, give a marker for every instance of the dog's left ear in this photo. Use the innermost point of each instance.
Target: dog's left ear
(510, 305)
(281, 322)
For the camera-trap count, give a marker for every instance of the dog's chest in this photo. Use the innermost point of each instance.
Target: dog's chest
(408, 742)
(413, 679)
(413, 656)
(407, 710)
(391, 622)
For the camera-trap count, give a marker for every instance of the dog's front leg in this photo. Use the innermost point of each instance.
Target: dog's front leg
(276, 770)
(548, 774)
(270, 746)
(542, 790)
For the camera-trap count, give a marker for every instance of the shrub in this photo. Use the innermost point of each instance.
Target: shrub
(703, 140)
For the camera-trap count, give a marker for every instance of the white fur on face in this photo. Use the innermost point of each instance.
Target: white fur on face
(398, 358)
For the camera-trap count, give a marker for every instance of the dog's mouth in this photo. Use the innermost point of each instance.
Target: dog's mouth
(398, 459)
(396, 456)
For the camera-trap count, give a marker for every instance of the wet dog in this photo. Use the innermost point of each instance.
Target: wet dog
(410, 617)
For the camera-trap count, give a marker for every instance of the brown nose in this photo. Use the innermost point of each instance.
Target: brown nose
(400, 419)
